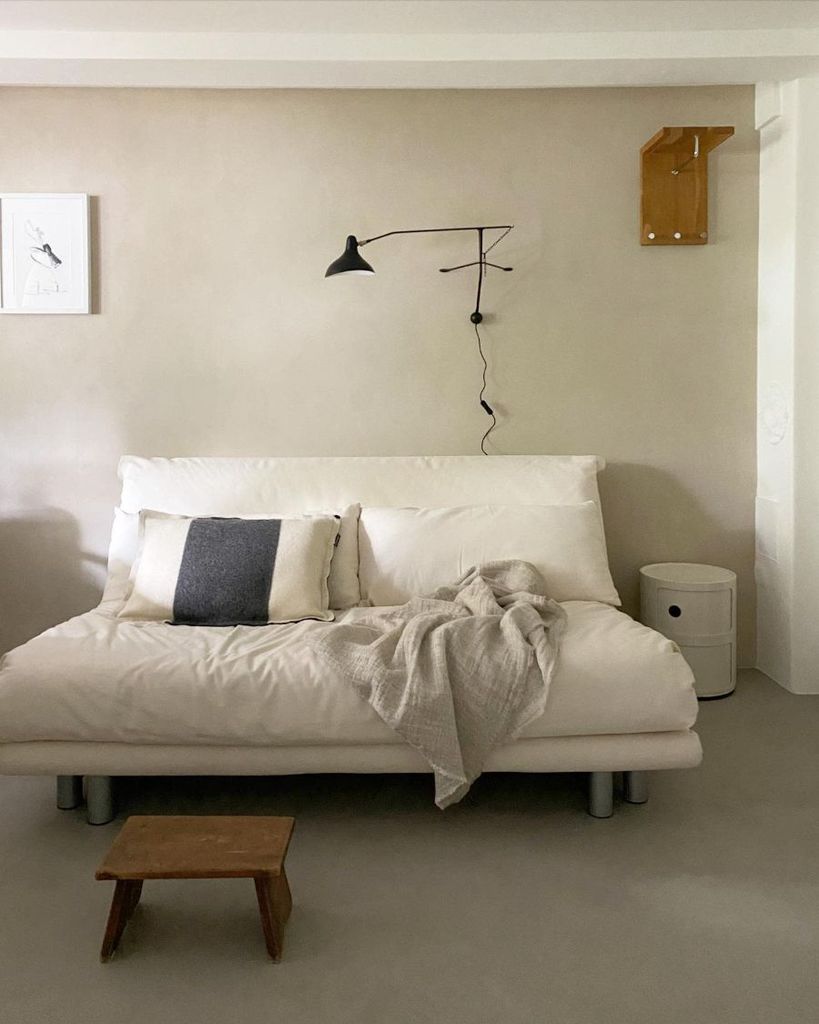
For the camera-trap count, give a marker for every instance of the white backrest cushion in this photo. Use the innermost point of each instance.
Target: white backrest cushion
(291, 486)
(235, 487)
(122, 553)
(408, 552)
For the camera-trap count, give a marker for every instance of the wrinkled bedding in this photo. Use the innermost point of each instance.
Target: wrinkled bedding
(452, 673)
(99, 678)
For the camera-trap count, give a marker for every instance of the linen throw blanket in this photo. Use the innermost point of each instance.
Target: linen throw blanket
(452, 673)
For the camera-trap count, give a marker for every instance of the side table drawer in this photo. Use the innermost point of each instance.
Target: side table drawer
(694, 613)
(713, 667)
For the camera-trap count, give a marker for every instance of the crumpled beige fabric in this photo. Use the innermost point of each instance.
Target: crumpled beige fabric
(450, 673)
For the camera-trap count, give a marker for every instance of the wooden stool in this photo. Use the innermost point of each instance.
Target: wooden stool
(200, 847)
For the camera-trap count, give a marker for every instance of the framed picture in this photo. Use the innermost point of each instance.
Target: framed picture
(44, 253)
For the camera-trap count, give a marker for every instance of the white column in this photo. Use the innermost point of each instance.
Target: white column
(787, 517)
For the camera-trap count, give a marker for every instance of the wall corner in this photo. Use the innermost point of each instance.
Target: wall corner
(767, 103)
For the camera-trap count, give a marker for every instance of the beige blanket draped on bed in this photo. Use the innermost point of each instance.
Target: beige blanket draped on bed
(459, 672)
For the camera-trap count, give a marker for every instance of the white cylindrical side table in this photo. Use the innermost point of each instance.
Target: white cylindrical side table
(695, 605)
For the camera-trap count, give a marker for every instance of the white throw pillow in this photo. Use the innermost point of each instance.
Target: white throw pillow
(345, 590)
(407, 552)
(343, 581)
(215, 571)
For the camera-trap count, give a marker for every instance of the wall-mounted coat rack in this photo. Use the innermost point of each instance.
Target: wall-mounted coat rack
(674, 185)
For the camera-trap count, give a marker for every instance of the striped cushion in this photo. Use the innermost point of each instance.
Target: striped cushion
(226, 572)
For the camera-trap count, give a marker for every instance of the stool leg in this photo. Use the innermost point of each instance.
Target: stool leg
(134, 893)
(635, 787)
(122, 906)
(601, 794)
(69, 791)
(271, 914)
(283, 901)
(100, 799)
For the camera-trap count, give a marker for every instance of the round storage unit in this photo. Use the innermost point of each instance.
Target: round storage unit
(695, 605)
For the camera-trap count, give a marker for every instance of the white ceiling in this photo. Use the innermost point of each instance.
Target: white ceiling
(405, 43)
(406, 16)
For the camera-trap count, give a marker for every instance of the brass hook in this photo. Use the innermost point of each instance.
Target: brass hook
(696, 155)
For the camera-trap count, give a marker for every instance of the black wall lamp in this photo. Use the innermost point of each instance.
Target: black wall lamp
(352, 262)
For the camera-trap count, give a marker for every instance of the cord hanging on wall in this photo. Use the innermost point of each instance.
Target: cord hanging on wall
(487, 408)
(352, 262)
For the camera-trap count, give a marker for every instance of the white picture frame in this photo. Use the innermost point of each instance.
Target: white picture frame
(44, 252)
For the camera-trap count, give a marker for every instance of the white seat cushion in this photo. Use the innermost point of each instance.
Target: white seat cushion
(100, 678)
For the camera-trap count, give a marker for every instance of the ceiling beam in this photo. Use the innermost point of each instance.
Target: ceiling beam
(398, 60)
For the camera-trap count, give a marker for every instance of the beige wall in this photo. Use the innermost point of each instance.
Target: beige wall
(216, 214)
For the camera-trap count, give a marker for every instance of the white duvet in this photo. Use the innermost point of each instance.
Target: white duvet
(99, 678)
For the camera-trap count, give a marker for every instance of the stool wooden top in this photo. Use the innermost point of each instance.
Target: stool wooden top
(177, 846)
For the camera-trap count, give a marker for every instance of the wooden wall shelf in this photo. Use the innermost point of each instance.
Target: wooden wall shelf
(674, 185)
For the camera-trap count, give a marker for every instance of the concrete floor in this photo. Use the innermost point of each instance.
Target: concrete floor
(515, 907)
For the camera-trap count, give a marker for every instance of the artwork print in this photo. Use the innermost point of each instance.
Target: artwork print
(44, 253)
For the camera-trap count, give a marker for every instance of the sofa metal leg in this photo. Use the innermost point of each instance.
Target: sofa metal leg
(635, 787)
(601, 794)
(69, 791)
(99, 797)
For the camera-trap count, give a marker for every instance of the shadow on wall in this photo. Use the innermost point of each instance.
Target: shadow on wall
(651, 518)
(44, 576)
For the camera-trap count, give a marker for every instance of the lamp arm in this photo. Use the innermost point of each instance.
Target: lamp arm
(476, 317)
(481, 263)
(428, 231)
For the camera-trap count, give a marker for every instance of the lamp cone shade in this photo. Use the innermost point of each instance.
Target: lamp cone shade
(350, 261)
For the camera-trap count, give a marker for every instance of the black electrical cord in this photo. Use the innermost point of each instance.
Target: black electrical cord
(487, 408)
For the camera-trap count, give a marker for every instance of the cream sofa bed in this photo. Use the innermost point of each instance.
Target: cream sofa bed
(100, 696)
